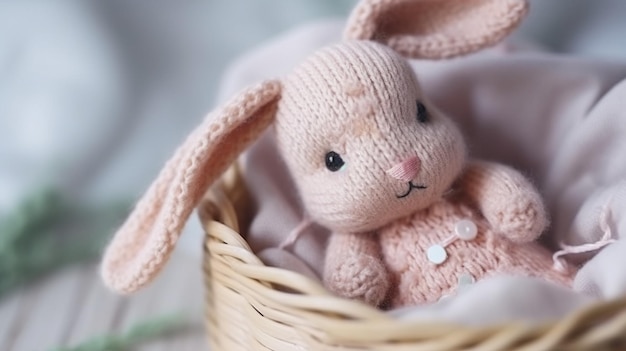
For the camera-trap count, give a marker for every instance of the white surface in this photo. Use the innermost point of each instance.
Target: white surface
(73, 306)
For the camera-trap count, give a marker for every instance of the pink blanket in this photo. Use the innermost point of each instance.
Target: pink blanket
(561, 120)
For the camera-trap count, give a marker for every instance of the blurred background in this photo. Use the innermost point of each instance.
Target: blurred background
(95, 96)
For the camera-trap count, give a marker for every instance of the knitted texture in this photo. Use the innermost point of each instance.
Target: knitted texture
(391, 263)
(414, 279)
(372, 158)
(509, 216)
(145, 241)
(387, 204)
(373, 130)
(435, 29)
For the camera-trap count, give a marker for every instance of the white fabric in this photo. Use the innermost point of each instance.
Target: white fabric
(561, 120)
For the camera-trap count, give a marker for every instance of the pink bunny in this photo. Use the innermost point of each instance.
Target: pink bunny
(413, 220)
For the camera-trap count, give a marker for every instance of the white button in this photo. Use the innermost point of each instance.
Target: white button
(465, 229)
(466, 279)
(436, 254)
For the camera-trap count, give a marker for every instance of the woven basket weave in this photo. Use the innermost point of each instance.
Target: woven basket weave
(250, 306)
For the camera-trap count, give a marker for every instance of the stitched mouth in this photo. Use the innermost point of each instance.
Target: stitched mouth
(411, 187)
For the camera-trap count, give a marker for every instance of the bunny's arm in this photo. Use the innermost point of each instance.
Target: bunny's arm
(354, 268)
(508, 201)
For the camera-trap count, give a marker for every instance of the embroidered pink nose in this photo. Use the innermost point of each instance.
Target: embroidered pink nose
(405, 170)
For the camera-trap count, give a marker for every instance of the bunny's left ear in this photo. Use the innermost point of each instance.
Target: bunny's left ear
(143, 244)
(435, 29)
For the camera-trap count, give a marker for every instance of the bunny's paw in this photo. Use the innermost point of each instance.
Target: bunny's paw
(522, 219)
(359, 277)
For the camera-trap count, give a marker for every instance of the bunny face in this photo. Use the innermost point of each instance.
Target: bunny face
(364, 145)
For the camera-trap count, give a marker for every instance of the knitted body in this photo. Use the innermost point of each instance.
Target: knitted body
(367, 150)
(390, 262)
(416, 280)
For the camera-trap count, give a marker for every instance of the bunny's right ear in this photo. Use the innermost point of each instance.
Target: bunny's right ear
(145, 241)
(435, 29)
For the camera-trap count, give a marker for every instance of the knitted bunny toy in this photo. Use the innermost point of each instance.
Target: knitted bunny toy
(373, 160)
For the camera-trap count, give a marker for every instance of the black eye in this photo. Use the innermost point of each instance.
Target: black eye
(422, 114)
(334, 161)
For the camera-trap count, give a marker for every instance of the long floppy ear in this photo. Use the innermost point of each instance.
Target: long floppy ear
(143, 244)
(435, 29)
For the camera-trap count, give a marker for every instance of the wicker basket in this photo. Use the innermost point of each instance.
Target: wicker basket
(250, 306)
